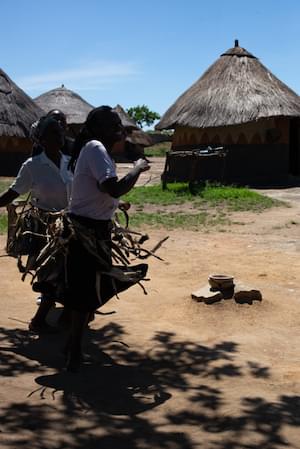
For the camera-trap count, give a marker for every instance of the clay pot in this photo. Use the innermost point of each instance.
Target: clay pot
(220, 281)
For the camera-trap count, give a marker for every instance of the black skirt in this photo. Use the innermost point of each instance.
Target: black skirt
(83, 270)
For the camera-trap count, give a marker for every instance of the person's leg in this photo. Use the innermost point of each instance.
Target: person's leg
(38, 322)
(73, 347)
(65, 319)
(81, 297)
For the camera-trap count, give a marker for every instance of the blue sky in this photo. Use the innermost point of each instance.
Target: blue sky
(141, 52)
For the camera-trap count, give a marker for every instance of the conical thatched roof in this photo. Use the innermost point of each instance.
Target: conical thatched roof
(236, 89)
(71, 104)
(127, 121)
(135, 134)
(17, 110)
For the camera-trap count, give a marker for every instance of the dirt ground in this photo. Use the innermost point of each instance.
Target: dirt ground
(162, 370)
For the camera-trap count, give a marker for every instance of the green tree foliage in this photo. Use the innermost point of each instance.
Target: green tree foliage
(142, 115)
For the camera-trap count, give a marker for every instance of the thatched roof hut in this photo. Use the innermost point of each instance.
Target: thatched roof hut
(240, 104)
(17, 113)
(136, 138)
(236, 89)
(70, 103)
(135, 134)
(127, 121)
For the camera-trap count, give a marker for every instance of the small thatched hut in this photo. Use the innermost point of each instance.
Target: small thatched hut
(136, 139)
(239, 104)
(127, 121)
(136, 135)
(71, 104)
(17, 113)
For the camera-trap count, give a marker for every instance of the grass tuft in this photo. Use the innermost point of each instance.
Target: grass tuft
(174, 220)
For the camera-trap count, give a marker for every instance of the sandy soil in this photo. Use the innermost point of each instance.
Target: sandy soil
(164, 371)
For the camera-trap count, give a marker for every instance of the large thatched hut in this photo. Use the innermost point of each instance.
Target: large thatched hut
(17, 113)
(239, 104)
(70, 103)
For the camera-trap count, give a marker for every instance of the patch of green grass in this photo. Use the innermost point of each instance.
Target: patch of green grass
(236, 198)
(3, 223)
(174, 220)
(233, 198)
(5, 182)
(175, 194)
(211, 204)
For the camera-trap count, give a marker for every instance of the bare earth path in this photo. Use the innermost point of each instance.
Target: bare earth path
(164, 371)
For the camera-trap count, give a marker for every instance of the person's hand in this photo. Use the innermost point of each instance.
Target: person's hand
(124, 205)
(142, 165)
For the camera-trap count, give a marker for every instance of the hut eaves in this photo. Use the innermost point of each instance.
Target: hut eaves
(236, 89)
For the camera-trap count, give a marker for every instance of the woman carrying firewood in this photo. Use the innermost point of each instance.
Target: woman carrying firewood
(47, 177)
(91, 278)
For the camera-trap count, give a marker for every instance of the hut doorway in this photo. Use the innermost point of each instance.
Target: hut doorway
(294, 152)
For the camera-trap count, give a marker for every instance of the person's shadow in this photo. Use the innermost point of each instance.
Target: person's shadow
(111, 396)
(106, 387)
(120, 383)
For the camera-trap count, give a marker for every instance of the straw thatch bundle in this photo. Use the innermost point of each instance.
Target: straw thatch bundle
(71, 104)
(236, 89)
(17, 110)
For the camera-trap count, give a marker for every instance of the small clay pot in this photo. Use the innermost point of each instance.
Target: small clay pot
(220, 281)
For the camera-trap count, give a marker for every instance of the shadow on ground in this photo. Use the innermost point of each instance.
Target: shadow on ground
(110, 404)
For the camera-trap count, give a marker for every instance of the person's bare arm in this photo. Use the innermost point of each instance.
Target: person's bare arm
(7, 197)
(117, 188)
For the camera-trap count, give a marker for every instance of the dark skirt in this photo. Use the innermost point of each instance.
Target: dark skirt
(82, 268)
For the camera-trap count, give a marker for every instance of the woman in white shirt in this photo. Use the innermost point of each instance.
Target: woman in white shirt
(95, 196)
(48, 179)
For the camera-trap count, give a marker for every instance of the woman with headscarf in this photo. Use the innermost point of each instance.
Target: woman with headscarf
(47, 178)
(95, 196)
(36, 127)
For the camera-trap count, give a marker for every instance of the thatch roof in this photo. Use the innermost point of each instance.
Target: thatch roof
(135, 134)
(71, 104)
(127, 121)
(139, 137)
(17, 110)
(236, 89)
(158, 137)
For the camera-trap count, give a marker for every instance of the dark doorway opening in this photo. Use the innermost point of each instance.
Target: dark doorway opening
(294, 153)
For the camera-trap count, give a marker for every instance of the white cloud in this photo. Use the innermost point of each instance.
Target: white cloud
(89, 76)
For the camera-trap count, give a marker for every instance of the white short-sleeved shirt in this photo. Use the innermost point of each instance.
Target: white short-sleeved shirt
(49, 185)
(93, 167)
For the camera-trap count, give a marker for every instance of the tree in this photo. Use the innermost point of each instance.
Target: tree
(142, 115)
